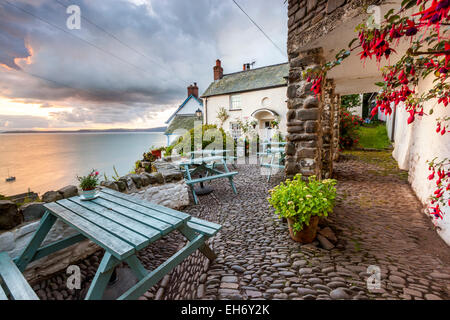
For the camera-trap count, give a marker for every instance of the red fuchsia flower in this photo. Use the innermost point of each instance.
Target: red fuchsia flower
(443, 131)
(412, 29)
(431, 176)
(436, 12)
(403, 78)
(96, 173)
(396, 33)
(316, 87)
(411, 116)
(436, 211)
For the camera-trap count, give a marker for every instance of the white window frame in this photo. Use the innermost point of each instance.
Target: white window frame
(235, 102)
(235, 130)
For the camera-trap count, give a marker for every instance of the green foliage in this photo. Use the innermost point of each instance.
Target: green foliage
(2, 197)
(89, 182)
(299, 200)
(348, 130)
(373, 136)
(222, 116)
(186, 142)
(350, 101)
(116, 176)
(137, 165)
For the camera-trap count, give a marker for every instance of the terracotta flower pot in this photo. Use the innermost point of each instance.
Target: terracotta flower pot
(157, 153)
(308, 233)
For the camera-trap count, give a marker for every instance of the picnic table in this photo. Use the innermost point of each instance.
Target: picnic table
(276, 158)
(122, 225)
(212, 153)
(206, 164)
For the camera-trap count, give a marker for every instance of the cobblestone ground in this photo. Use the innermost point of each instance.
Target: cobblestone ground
(377, 221)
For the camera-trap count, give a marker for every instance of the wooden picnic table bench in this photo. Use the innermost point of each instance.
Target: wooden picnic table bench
(122, 225)
(206, 164)
(14, 283)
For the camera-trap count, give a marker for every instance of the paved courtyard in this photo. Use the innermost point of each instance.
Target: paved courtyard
(377, 221)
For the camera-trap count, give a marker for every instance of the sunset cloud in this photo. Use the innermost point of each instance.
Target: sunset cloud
(176, 44)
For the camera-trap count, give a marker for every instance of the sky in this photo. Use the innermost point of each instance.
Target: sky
(129, 64)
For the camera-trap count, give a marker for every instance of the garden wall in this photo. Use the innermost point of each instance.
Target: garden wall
(165, 187)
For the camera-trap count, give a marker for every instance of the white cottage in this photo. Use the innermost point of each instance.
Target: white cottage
(250, 95)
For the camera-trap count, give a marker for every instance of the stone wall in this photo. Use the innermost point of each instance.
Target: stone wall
(304, 126)
(313, 122)
(311, 19)
(165, 187)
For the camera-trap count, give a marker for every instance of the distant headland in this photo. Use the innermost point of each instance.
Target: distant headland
(158, 129)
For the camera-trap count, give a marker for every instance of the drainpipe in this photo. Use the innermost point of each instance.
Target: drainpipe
(206, 110)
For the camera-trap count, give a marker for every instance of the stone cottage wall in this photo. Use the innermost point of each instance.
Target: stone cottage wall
(304, 138)
(165, 187)
(313, 123)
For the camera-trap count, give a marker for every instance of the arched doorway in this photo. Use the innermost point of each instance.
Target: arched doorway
(266, 119)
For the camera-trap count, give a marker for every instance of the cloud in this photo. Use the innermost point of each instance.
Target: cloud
(176, 43)
(10, 122)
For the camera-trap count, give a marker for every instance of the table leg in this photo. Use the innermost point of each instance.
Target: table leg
(188, 174)
(102, 276)
(230, 178)
(30, 250)
(157, 274)
(136, 266)
(270, 168)
(191, 235)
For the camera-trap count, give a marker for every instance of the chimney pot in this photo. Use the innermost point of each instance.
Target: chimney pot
(192, 90)
(218, 70)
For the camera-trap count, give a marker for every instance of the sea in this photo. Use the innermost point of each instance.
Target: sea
(49, 161)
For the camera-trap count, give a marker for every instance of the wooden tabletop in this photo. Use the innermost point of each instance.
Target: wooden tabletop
(200, 160)
(120, 223)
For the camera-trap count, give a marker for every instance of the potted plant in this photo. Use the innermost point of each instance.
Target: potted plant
(156, 152)
(89, 184)
(274, 123)
(302, 203)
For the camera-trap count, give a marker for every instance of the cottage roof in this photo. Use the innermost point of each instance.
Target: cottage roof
(181, 121)
(253, 79)
(200, 102)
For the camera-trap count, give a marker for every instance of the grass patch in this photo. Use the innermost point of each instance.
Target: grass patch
(373, 137)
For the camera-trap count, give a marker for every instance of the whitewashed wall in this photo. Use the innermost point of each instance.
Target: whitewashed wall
(190, 107)
(250, 101)
(415, 144)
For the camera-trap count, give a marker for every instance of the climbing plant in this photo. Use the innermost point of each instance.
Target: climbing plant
(424, 25)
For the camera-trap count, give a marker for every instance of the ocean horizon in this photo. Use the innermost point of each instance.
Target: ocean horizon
(49, 161)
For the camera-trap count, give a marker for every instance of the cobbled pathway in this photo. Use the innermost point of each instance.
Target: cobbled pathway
(377, 222)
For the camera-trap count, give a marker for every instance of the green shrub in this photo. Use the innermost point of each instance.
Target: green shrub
(184, 140)
(348, 130)
(300, 200)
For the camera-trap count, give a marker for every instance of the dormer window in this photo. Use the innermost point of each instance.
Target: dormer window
(235, 102)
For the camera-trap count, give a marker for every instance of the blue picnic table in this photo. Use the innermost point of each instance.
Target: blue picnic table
(206, 164)
(122, 225)
(276, 157)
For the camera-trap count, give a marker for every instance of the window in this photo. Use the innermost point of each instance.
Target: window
(235, 102)
(235, 130)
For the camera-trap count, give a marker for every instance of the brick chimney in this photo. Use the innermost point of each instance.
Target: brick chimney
(218, 70)
(192, 90)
